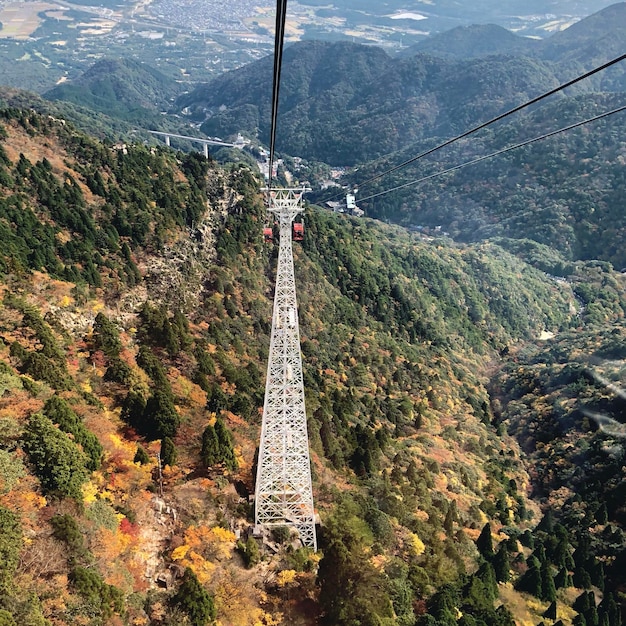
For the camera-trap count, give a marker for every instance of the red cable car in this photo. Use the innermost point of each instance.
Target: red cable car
(298, 231)
(268, 234)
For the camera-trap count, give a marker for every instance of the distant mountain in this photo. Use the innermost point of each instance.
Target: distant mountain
(346, 103)
(478, 40)
(590, 43)
(604, 31)
(120, 88)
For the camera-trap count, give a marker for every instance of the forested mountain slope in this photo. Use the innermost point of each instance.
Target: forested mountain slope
(565, 191)
(136, 307)
(347, 104)
(120, 88)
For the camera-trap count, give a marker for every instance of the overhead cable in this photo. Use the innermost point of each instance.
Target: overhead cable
(281, 12)
(491, 121)
(493, 154)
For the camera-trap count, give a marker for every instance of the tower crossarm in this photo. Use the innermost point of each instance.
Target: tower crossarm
(284, 494)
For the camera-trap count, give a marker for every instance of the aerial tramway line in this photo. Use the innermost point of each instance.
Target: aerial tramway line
(283, 493)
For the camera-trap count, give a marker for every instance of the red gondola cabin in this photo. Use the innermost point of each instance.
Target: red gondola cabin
(298, 231)
(268, 235)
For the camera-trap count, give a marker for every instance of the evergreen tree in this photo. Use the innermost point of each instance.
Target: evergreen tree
(10, 544)
(168, 452)
(62, 414)
(225, 440)
(58, 463)
(451, 517)
(562, 579)
(106, 337)
(133, 409)
(597, 575)
(550, 612)
(531, 581)
(610, 609)
(352, 591)
(249, 551)
(487, 576)
(141, 456)
(581, 554)
(527, 539)
(602, 515)
(6, 619)
(582, 579)
(547, 523)
(548, 590)
(194, 600)
(502, 563)
(591, 616)
(540, 553)
(210, 452)
(160, 417)
(582, 603)
(217, 446)
(484, 543)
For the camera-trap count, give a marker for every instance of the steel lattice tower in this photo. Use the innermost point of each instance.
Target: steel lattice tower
(284, 495)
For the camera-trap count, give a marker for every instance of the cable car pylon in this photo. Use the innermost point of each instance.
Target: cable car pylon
(283, 492)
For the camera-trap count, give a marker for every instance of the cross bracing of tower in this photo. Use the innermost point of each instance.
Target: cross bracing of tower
(284, 495)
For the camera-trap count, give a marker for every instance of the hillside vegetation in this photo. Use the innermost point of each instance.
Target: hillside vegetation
(135, 319)
(564, 192)
(120, 88)
(346, 104)
(355, 106)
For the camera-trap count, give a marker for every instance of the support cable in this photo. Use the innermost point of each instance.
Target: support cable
(488, 123)
(498, 152)
(281, 12)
